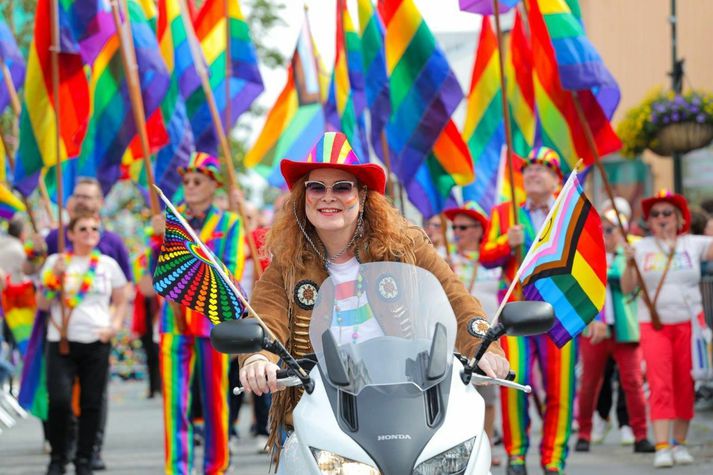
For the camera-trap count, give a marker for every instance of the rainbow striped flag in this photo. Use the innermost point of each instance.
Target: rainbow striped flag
(33, 390)
(448, 165)
(503, 180)
(566, 266)
(19, 307)
(485, 7)
(560, 126)
(579, 64)
(11, 58)
(424, 89)
(344, 108)
(245, 80)
(371, 30)
(484, 129)
(296, 121)
(9, 203)
(521, 94)
(85, 27)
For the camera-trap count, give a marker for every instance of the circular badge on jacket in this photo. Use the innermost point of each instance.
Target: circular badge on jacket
(306, 294)
(478, 327)
(388, 289)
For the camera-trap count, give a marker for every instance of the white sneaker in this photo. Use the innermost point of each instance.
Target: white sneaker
(261, 444)
(681, 456)
(663, 458)
(600, 428)
(626, 436)
(233, 444)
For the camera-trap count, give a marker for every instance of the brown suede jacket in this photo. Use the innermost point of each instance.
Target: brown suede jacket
(279, 299)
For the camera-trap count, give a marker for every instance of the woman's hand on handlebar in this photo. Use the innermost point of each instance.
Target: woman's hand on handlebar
(494, 365)
(259, 376)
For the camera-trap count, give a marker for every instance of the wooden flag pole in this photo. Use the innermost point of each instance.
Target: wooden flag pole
(506, 119)
(655, 320)
(236, 202)
(54, 63)
(14, 99)
(444, 235)
(128, 60)
(387, 163)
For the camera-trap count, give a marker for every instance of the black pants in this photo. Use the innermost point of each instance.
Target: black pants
(151, 347)
(234, 402)
(606, 396)
(90, 363)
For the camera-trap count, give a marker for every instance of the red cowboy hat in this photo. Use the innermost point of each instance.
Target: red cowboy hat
(471, 209)
(333, 151)
(675, 199)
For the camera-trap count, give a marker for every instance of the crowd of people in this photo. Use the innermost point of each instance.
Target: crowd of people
(334, 217)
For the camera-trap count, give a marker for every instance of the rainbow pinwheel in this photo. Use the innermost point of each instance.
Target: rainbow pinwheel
(189, 274)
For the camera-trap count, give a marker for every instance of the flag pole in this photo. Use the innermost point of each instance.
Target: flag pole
(128, 60)
(655, 320)
(444, 234)
(506, 119)
(236, 202)
(387, 163)
(14, 99)
(54, 63)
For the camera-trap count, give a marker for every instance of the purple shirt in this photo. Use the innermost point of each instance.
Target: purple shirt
(110, 244)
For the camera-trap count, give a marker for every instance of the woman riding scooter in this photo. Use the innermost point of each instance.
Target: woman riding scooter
(335, 218)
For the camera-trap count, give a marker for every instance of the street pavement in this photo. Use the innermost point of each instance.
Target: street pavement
(134, 444)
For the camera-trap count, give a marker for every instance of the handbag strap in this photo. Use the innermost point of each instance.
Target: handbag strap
(669, 259)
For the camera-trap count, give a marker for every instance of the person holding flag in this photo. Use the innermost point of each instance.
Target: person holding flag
(503, 240)
(185, 351)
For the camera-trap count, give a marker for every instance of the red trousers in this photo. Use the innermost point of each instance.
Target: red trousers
(667, 353)
(628, 358)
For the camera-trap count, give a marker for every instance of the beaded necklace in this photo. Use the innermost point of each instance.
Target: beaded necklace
(354, 317)
(72, 300)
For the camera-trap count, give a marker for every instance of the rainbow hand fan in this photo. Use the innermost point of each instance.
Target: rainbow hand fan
(189, 274)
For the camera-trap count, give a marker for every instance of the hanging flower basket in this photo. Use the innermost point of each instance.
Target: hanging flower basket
(681, 138)
(667, 123)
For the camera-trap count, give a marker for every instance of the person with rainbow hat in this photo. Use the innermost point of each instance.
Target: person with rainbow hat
(670, 263)
(185, 351)
(335, 218)
(542, 177)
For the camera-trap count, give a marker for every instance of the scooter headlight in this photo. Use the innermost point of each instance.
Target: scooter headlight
(330, 463)
(453, 461)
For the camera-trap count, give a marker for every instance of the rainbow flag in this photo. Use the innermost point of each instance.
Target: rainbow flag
(560, 126)
(424, 89)
(521, 94)
(371, 30)
(19, 307)
(187, 271)
(485, 7)
(33, 390)
(448, 165)
(344, 108)
(567, 266)
(579, 64)
(484, 129)
(9, 203)
(85, 27)
(503, 180)
(11, 58)
(245, 80)
(296, 120)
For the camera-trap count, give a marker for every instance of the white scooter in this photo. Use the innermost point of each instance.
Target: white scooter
(398, 403)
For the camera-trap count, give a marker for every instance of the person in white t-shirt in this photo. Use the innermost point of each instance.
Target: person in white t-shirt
(79, 339)
(670, 264)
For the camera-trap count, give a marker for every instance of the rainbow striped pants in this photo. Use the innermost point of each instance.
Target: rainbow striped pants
(181, 359)
(558, 379)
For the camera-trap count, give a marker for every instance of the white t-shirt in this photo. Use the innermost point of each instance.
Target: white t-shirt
(92, 313)
(680, 296)
(12, 256)
(348, 325)
(486, 285)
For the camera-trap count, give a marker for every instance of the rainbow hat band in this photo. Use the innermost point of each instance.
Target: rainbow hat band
(471, 209)
(203, 163)
(669, 197)
(544, 156)
(333, 151)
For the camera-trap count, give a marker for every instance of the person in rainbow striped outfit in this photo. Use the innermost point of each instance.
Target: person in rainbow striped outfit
(185, 351)
(542, 177)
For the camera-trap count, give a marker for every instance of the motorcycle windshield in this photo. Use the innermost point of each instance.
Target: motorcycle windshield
(391, 323)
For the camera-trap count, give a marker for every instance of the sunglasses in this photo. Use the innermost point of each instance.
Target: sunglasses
(667, 213)
(84, 229)
(609, 230)
(194, 182)
(338, 188)
(463, 227)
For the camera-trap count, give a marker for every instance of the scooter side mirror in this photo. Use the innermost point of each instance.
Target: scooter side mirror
(527, 318)
(238, 336)
(336, 372)
(438, 359)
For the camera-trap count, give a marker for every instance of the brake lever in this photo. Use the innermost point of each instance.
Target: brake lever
(502, 382)
(285, 382)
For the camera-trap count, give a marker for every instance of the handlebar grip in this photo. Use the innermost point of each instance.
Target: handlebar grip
(511, 376)
(283, 373)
